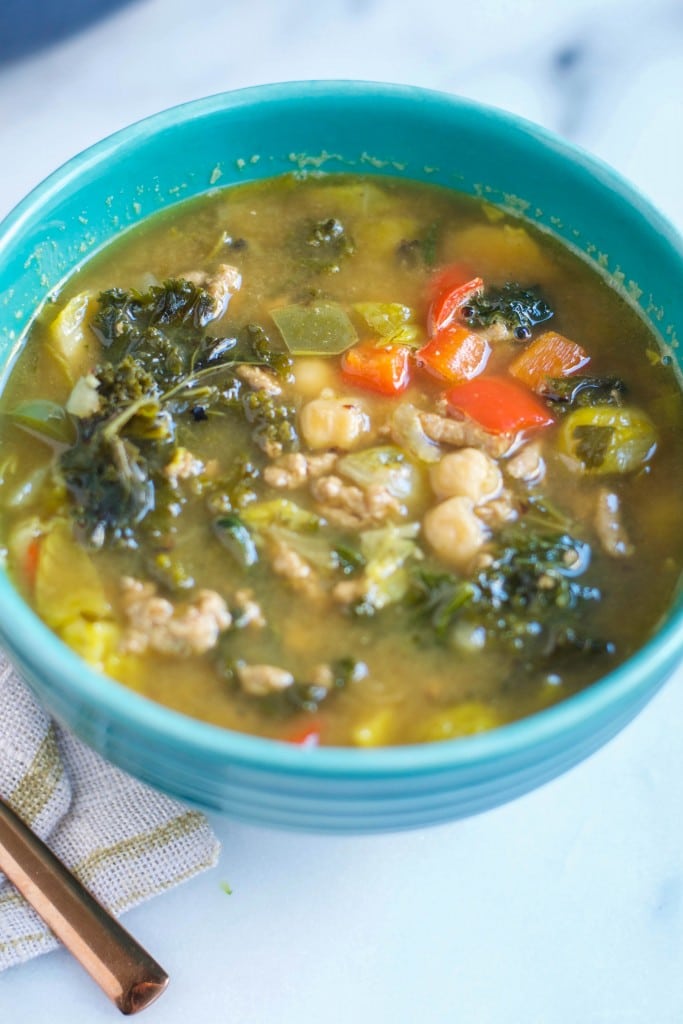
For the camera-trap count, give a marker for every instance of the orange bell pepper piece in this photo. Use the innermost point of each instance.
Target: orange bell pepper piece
(455, 354)
(382, 368)
(550, 355)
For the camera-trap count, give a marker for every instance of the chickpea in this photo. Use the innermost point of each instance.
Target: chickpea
(312, 375)
(466, 473)
(333, 423)
(454, 531)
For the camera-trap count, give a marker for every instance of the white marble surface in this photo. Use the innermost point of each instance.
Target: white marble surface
(566, 906)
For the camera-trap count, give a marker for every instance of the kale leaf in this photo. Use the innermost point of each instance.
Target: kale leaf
(273, 422)
(529, 598)
(109, 472)
(162, 365)
(518, 308)
(533, 571)
(323, 244)
(412, 253)
(580, 391)
(163, 328)
(125, 316)
(263, 351)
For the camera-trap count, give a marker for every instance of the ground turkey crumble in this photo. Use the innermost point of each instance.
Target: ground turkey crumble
(294, 469)
(153, 623)
(351, 507)
(464, 434)
(258, 379)
(221, 285)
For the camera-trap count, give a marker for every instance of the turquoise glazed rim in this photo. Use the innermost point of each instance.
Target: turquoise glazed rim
(374, 129)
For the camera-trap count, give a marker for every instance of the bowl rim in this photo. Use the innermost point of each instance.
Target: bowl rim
(33, 644)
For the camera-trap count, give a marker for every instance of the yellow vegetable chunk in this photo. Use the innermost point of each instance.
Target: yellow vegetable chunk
(68, 341)
(497, 251)
(462, 720)
(376, 730)
(384, 234)
(95, 641)
(68, 586)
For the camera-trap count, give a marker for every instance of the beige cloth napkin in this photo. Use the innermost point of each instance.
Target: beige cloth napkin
(124, 841)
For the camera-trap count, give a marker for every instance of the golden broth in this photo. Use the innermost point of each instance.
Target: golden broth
(373, 628)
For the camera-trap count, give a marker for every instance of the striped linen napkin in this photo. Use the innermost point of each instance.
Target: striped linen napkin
(124, 841)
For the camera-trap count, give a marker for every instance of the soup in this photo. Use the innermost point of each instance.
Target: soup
(343, 460)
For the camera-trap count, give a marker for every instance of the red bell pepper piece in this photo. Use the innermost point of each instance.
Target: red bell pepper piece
(500, 405)
(448, 278)
(450, 293)
(382, 368)
(307, 735)
(455, 354)
(31, 560)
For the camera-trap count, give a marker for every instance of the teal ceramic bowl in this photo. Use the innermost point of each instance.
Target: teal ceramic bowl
(333, 126)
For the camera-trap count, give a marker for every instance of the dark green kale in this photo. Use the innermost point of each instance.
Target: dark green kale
(439, 597)
(529, 598)
(533, 572)
(324, 244)
(577, 392)
(518, 308)
(307, 696)
(124, 316)
(324, 234)
(207, 381)
(419, 252)
(179, 302)
(163, 367)
(108, 475)
(163, 328)
(347, 558)
(273, 422)
(261, 349)
(237, 539)
(113, 472)
(236, 490)
(121, 384)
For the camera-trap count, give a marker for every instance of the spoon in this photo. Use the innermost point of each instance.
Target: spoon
(121, 967)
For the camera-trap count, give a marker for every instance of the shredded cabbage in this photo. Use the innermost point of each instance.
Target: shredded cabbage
(408, 432)
(278, 512)
(386, 551)
(386, 466)
(395, 324)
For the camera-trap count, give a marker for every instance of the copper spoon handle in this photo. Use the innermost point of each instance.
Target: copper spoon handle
(112, 957)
